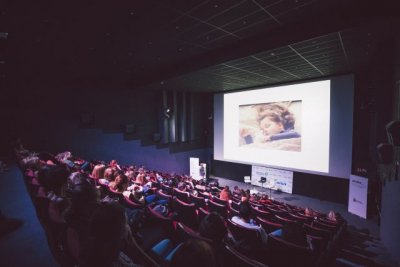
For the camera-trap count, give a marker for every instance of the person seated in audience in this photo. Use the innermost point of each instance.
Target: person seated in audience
(194, 253)
(140, 178)
(75, 178)
(264, 199)
(181, 186)
(54, 180)
(245, 195)
(31, 162)
(120, 184)
(113, 163)
(130, 173)
(236, 191)
(159, 178)
(137, 195)
(225, 194)
(213, 227)
(333, 217)
(309, 212)
(108, 233)
(245, 220)
(109, 175)
(254, 197)
(98, 171)
(83, 201)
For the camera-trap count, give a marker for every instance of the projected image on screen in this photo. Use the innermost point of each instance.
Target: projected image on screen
(274, 125)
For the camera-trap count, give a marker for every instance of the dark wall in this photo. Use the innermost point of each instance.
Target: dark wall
(91, 123)
(390, 218)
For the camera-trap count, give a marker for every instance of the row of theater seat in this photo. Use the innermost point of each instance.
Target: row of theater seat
(187, 211)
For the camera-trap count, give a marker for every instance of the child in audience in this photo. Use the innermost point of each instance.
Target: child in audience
(120, 184)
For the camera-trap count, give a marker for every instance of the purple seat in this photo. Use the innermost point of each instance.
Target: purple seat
(232, 257)
(247, 240)
(283, 253)
(257, 212)
(199, 202)
(218, 208)
(186, 212)
(220, 201)
(164, 196)
(130, 204)
(167, 189)
(268, 225)
(182, 195)
(202, 213)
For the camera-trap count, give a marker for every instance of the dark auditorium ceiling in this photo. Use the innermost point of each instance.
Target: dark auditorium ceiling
(204, 45)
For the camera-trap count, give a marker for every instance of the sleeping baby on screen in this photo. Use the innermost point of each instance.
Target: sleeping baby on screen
(275, 121)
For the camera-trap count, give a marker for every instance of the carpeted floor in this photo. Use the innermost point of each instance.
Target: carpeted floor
(26, 246)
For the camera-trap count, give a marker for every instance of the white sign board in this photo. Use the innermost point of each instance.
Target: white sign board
(194, 168)
(358, 195)
(275, 179)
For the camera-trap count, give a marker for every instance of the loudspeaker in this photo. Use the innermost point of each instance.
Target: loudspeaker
(393, 132)
(385, 153)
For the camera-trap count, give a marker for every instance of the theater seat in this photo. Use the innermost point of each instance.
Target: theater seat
(281, 253)
(246, 240)
(186, 212)
(218, 208)
(232, 257)
(268, 225)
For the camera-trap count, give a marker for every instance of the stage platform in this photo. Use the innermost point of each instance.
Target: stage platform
(369, 225)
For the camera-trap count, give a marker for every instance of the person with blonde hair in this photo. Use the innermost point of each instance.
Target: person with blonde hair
(98, 171)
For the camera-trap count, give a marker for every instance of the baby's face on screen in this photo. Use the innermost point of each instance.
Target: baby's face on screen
(270, 127)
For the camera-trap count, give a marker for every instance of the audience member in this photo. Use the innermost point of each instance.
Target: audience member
(98, 171)
(213, 227)
(194, 253)
(108, 231)
(120, 184)
(225, 194)
(245, 220)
